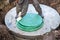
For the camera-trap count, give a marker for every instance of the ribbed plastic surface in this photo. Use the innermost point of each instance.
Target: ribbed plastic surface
(30, 22)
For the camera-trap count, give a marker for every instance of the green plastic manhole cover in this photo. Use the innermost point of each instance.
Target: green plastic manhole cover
(30, 22)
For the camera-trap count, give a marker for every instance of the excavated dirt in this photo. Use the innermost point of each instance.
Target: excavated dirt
(4, 34)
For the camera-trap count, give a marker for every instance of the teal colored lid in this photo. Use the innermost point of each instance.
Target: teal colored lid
(30, 22)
